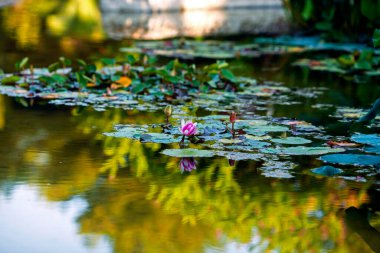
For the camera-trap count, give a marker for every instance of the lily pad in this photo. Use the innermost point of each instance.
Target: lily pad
(302, 150)
(373, 149)
(237, 156)
(351, 159)
(230, 141)
(188, 152)
(292, 141)
(327, 171)
(249, 145)
(159, 138)
(265, 129)
(257, 138)
(369, 139)
(128, 132)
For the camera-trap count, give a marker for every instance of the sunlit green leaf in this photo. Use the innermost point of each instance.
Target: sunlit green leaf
(10, 80)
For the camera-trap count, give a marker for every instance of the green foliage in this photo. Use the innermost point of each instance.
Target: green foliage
(376, 38)
(143, 78)
(10, 80)
(337, 20)
(21, 64)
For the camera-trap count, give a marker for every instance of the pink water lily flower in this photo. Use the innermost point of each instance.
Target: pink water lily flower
(188, 128)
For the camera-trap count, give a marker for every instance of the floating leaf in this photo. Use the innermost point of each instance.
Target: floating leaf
(159, 138)
(188, 152)
(369, 139)
(257, 138)
(327, 171)
(128, 132)
(292, 141)
(249, 145)
(373, 149)
(237, 156)
(301, 150)
(352, 159)
(230, 141)
(262, 129)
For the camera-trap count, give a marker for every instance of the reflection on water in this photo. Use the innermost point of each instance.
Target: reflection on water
(27, 20)
(26, 217)
(121, 192)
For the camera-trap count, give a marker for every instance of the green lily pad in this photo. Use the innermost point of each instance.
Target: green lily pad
(369, 139)
(249, 145)
(159, 138)
(188, 152)
(128, 132)
(265, 129)
(292, 141)
(250, 123)
(230, 141)
(327, 171)
(257, 138)
(301, 150)
(238, 156)
(352, 159)
(373, 149)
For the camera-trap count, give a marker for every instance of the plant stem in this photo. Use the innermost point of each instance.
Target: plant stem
(182, 142)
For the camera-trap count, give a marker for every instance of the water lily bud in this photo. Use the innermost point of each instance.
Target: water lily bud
(233, 117)
(168, 110)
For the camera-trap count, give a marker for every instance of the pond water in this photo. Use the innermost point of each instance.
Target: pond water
(66, 187)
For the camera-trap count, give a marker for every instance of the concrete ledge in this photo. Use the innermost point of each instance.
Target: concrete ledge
(128, 6)
(152, 26)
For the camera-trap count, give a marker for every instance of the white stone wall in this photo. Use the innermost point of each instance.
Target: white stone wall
(195, 23)
(175, 5)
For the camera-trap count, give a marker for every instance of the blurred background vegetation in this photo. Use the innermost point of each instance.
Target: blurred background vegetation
(338, 20)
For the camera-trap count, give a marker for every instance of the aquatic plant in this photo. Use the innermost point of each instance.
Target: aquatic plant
(168, 113)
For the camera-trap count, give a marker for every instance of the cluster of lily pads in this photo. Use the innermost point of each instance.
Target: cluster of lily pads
(271, 141)
(136, 75)
(209, 49)
(360, 60)
(357, 59)
(135, 83)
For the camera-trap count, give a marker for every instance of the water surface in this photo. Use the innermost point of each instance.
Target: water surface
(65, 187)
